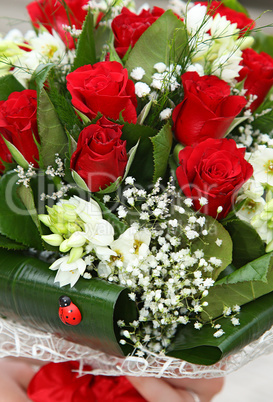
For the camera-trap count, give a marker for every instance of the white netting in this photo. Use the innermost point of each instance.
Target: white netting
(20, 341)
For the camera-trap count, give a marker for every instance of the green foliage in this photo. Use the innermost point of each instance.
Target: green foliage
(164, 41)
(162, 145)
(29, 293)
(246, 284)
(10, 244)
(201, 347)
(210, 248)
(15, 221)
(247, 244)
(40, 75)
(86, 50)
(264, 122)
(9, 84)
(263, 43)
(52, 135)
(235, 5)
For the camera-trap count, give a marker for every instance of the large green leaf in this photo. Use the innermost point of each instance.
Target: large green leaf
(9, 84)
(40, 75)
(15, 221)
(247, 244)
(162, 144)
(52, 135)
(201, 347)
(28, 294)
(86, 50)
(10, 244)
(164, 41)
(248, 283)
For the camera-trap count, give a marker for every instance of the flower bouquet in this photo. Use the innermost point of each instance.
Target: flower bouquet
(136, 180)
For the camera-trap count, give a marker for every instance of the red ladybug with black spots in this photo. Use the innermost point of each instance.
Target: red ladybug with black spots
(68, 311)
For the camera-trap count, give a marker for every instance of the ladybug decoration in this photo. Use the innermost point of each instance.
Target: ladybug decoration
(68, 311)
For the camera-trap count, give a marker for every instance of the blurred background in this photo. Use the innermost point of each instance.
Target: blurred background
(253, 382)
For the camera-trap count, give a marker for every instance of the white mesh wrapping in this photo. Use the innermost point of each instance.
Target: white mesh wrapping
(20, 341)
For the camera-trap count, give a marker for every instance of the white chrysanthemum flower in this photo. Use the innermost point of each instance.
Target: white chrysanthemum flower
(68, 273)
(197, 20)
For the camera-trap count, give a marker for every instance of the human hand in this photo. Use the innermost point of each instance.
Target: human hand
(15, 376)
(177, 390)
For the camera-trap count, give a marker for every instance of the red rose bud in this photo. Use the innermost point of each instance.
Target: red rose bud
(235, 17)
(18, 124)
(54, 14)
(100, 157)
(207, 110)
(215, 170)
(128, 27)
(258, 71)
(105, 88)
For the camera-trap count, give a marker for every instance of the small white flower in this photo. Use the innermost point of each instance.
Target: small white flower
(203, 201)
(219, 242)
(142, 89)
(235, 321)
(137, 73)
(68, 273)
(218, 333)
(160, 67)
(165, 114)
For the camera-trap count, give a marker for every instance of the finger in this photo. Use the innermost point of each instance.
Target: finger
(20, 372)
(12, 392)
(204, 387)
(158, 390)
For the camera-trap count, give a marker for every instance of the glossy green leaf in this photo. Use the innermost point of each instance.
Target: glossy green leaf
(15, 221)
(28, 294)
(247, 244)
(162, 144)
(79, 181)
(10, 244)
(244, 285)
(86, 50)
(201, 347)
(157, 44)
(9, 84)
(52, 135)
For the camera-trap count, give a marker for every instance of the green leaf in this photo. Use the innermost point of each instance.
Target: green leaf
(162, 144)
(9, 84)
(264, 122)
(79, 181)
(133, 133)
(209, 247)
(235, 123)
(26, 196)
(9, 244)
(52, 135)
(157, 44)
(28, 294)
(15, 221)
(40, 75)
(86, 50)
(235, 5)
(263, 43)
(201, 347)
(247, 244)
(117, 224)
(144, 113)
(16, 154)
(253, 280)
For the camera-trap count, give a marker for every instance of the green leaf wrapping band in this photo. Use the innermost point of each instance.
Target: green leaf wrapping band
(201, 347)
(28, 294)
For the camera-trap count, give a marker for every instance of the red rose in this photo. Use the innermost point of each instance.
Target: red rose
(215, 170)
(100, 157)
(235, 17)
(52, 14)
(18, 123)
(207, 110)
(128, 27)
(105, 88)
(258, 71)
